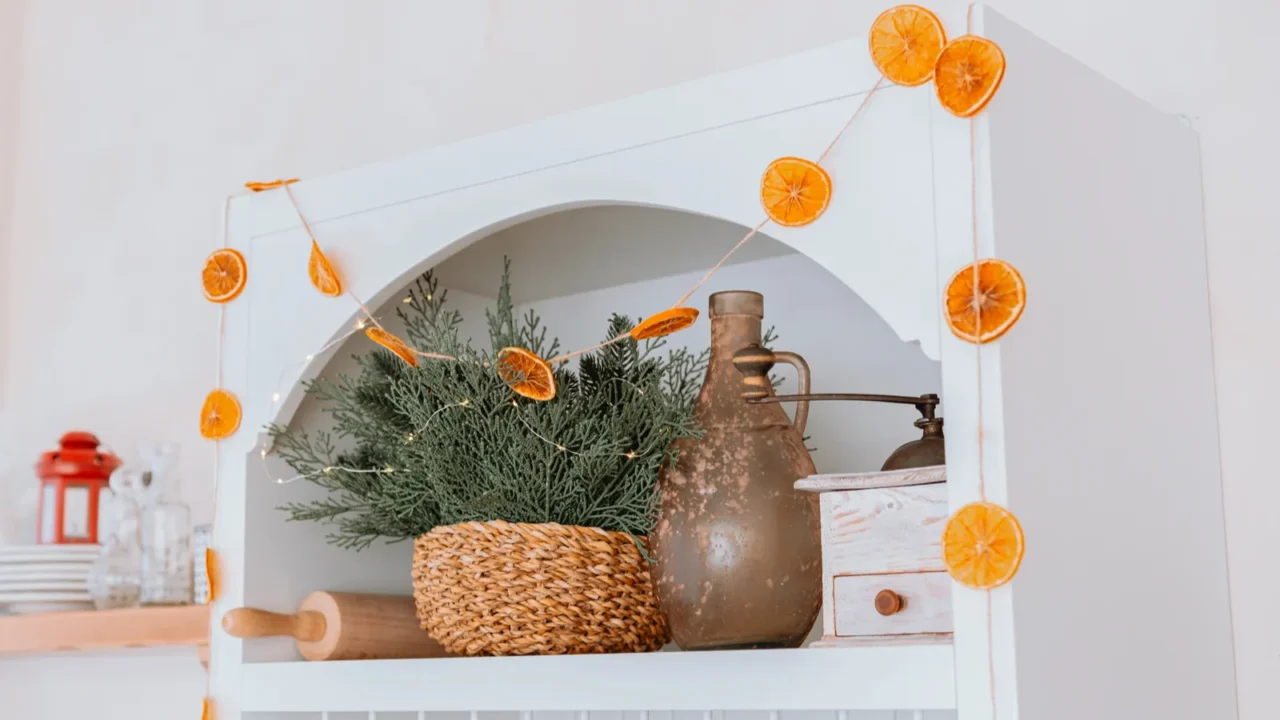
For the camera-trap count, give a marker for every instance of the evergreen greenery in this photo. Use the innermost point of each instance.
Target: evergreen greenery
(449, 442)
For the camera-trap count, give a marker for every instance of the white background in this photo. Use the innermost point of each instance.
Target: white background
(123, 124)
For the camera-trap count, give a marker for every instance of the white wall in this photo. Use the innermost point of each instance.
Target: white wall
(134, 119)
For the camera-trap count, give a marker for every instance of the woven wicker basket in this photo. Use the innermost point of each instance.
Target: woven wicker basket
(499, 588)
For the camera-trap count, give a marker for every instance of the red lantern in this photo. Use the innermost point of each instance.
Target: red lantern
(71, 480)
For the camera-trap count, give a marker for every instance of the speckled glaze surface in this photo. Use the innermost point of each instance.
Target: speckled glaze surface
(738, 549)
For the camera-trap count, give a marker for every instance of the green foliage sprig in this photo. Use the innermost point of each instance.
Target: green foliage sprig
(455, 444)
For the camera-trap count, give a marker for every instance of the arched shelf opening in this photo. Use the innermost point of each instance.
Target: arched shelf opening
(656, 255)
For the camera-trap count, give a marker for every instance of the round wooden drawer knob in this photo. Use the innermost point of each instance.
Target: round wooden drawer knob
(888, 602)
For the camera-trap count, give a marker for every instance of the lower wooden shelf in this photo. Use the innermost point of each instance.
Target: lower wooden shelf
(135, 627)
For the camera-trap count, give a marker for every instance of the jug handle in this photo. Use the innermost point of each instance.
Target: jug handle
(802, 369)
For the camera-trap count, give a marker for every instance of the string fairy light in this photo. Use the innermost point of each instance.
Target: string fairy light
(329, 470)
(286, 370)
(410, 437)
(464, 403)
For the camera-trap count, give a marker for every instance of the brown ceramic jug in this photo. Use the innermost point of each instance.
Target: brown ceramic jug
(738, 550)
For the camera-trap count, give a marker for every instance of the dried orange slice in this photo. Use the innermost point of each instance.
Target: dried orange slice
(982, 546)
(394, 344)
(526, 373)
(967, 74)
(220, 416)
(224, 275)
(795, 191)
(212, 574)
(905, 43)
(664, 323)
(322, 274)
(982, 312)
(260, 186)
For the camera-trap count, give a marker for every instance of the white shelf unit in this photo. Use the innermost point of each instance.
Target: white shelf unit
(1097, 411)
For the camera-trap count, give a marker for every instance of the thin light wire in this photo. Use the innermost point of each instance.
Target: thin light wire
(275, 394)
(328, 470)
(539, 435)
(465, 403)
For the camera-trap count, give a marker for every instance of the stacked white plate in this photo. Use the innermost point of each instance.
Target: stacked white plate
(45, 578)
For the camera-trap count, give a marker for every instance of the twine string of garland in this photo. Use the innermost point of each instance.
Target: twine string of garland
(982, 480)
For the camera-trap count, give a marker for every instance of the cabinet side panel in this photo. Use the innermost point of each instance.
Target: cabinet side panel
(1121, 607)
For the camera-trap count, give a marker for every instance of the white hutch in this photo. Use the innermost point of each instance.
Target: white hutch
(1099, 426)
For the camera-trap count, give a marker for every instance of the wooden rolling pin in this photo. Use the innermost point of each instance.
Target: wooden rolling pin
(342, 626)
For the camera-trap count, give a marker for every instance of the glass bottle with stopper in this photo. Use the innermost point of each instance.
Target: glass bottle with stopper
(755, 362)
(115, 578)
(166, 531)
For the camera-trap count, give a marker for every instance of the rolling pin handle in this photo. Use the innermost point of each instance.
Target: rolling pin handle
(246, 623)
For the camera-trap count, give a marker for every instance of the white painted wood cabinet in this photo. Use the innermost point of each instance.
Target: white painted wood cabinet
(1097, 410)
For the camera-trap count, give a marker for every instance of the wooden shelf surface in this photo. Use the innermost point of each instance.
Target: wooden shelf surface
(920, 677)
(97, 630)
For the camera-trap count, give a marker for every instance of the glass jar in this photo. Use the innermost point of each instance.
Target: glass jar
(166, 532)
(115, 577)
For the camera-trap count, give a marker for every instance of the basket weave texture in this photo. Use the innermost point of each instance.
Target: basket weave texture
(499, 588)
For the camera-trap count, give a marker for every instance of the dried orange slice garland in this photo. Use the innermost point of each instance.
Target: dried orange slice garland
(220, 415)
(967, 75)
(795, 191)
(224, 275)
(983, 312)
(982, 543)
(394, 344)
(526, 373)
(982, 546)
(664, 323)
(323, 277)
(905, 43)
